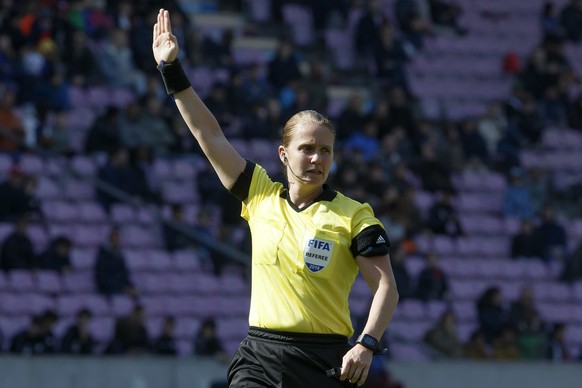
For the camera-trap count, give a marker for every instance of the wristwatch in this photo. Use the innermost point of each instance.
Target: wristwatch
(369, 342)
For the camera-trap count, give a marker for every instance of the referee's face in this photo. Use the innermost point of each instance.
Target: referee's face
(310, 153)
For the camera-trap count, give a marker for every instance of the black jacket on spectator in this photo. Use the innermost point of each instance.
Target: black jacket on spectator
(17, 252)
(111, 273)
(56, 256)
(73, 343)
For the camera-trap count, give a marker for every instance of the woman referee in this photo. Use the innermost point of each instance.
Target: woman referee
(309, 242)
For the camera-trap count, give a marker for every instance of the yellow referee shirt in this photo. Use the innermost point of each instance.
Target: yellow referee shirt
(303, 263)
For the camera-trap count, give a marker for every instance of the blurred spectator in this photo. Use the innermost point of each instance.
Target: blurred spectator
(207, 343)
(8, 58)
(412, 22)
(16, 195)
(218, 53)
(524, 244)
(531, 336)
(284, 67)
(445, 16)
(476, 348)
(17, 250)
(364, 141)
(56, 255)
(174, 238)
(80, 62)
(143, 187)
(575, 113)
(30, 340)
(433, 282)
(255, 85)
(443, 218)
(407, 212)
(154, 132)
(453, 153)
(257, 124)
(116, 63)
(316, 85)
(571, 20)
(553, 108)
(557, 350)
(12, 132)
(443, 337)
(130, 336)
(404, 281)
(217, 102)
(401, 110)
(520, 307)
(572, 270)
(505, 345)
(111, 273)
(165, 344)
(474, 145)
(507, 154)
(538, 185)
(105, 133)
(492, 126)
(78, 339)
(551, 236)
(367, 31)
(516, 199)
(352, 117)
(432, 171)
(491, 313)
(550, 20)
(117, 173)
(54, 136)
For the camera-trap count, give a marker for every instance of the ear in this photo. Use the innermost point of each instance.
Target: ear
(282, 154)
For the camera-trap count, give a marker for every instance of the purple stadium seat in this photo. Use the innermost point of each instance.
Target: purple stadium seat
(186, 328)
(184, 347)
(83, 165)
(154, 326)
(10, 326)
(91, 212)
(48, 281)
(183, 283)
(76, 190)
(552, 291)
(577, 291)
(160, 260)
(465, 310)
(60, 211)
(98, 97)
(122, 213)
(83, 258)
(79, 282)
(20, 280)
(300, 19)
(411, 331)
(121, 305)
(156, 283)
(260, 10)
(47, 189)
(16, 303)
(232, 328)
(89, 235)
(444, 246)
(186, 260)
(467, 289)
(137, 259)
(183, 169)
(4, 285)
(234, 306)
(102, 328)
(32, 164)
(233, 284)
(358, 305)
(39, 303)
(412, 309)
(435, 309)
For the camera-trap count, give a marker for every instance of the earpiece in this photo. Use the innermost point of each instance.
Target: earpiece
(284, 157)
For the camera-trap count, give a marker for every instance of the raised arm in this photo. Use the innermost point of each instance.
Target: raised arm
(225, 160)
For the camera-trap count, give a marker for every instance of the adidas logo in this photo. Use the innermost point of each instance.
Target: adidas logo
(380, 240)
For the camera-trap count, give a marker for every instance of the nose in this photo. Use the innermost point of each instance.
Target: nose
(316, 157)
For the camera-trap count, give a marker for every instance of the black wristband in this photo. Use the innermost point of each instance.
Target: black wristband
(175, 80)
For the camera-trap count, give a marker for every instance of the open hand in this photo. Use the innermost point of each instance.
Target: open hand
(165, 44)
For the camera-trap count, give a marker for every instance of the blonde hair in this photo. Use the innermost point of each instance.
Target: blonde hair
(306, 116)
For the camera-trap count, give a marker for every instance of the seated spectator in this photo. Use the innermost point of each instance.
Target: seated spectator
(17, 250)
(105, 133)
(571, 20)
(524, 244)
(131, 336)
(284, 67)
(165, 344)
(433, 283)
(116, 172)
(29, 341)
(551, 236)
(474, 145)
(78, 339)
(476, 348)
(207, 343)
(445, 15)
(413, 24)
(56, 255)
(256, 87)
(11, 121)
(174, 238)
(390, 57)
(367, 29)
(148, 128)
(443, 218)
(516, 199)
(550, 20)
(522, 306)
(573, 267)
(401, 275)
(432, 171)
(111, 273)
(557, 350)
(553, 108)
(538, 185)
(80, 60)
(364, 141)
(492, 126)
(443, 337)
(531, 336)
(16, 195)
(143, 187)
(505, 346)
(491, 313)
(38, 337)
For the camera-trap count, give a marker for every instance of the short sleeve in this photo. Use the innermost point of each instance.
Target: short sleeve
(369, 235)
(261, 187)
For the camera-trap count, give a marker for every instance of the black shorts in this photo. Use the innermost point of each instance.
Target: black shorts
(276, 359)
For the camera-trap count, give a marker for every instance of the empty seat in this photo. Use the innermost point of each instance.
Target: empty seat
(48, 281)
(79, 282)
(21, 280)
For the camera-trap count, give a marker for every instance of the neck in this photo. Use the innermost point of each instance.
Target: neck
(303, 196)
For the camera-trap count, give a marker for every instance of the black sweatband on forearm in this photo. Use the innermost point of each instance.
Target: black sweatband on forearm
(175, 80)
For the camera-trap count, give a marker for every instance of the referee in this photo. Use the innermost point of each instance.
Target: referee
(309, 243)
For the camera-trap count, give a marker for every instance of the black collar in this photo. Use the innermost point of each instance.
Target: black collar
(327, 194)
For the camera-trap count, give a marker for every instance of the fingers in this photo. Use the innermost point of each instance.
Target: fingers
(167, 24)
